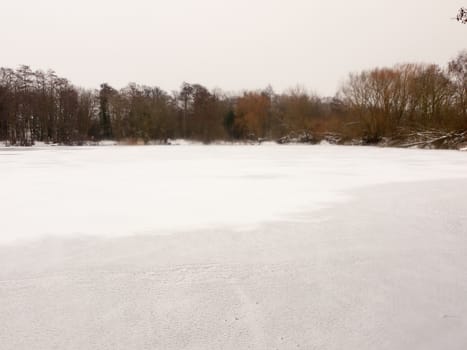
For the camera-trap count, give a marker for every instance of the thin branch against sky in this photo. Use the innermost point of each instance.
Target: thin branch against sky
(462, 15)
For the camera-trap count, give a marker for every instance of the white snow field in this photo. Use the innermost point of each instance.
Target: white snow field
(232, 247)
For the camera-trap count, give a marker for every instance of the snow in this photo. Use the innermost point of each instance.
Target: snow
(182, 142)
(108, 143)
(232, 247)
(324, 143)
(113, 191)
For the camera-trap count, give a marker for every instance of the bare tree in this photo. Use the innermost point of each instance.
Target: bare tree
(458, 73)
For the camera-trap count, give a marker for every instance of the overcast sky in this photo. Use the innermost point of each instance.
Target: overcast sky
(237, 44)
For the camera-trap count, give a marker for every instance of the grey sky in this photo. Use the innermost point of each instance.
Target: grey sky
(241, 44)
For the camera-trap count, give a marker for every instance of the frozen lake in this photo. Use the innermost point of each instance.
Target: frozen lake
(113, 191)
(233, 247)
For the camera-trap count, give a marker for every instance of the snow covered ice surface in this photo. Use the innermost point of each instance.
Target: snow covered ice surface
(233, 247)
(113, 191)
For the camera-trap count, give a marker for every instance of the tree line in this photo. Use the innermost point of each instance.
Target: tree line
(372, 105)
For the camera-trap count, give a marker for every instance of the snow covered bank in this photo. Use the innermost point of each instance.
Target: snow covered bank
(109, 191)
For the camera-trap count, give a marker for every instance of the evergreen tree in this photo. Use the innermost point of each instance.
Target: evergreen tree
(105, 95)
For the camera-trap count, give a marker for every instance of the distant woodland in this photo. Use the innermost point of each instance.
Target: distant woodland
(405, 105)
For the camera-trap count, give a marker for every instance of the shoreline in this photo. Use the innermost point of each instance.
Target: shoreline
(385, 143)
